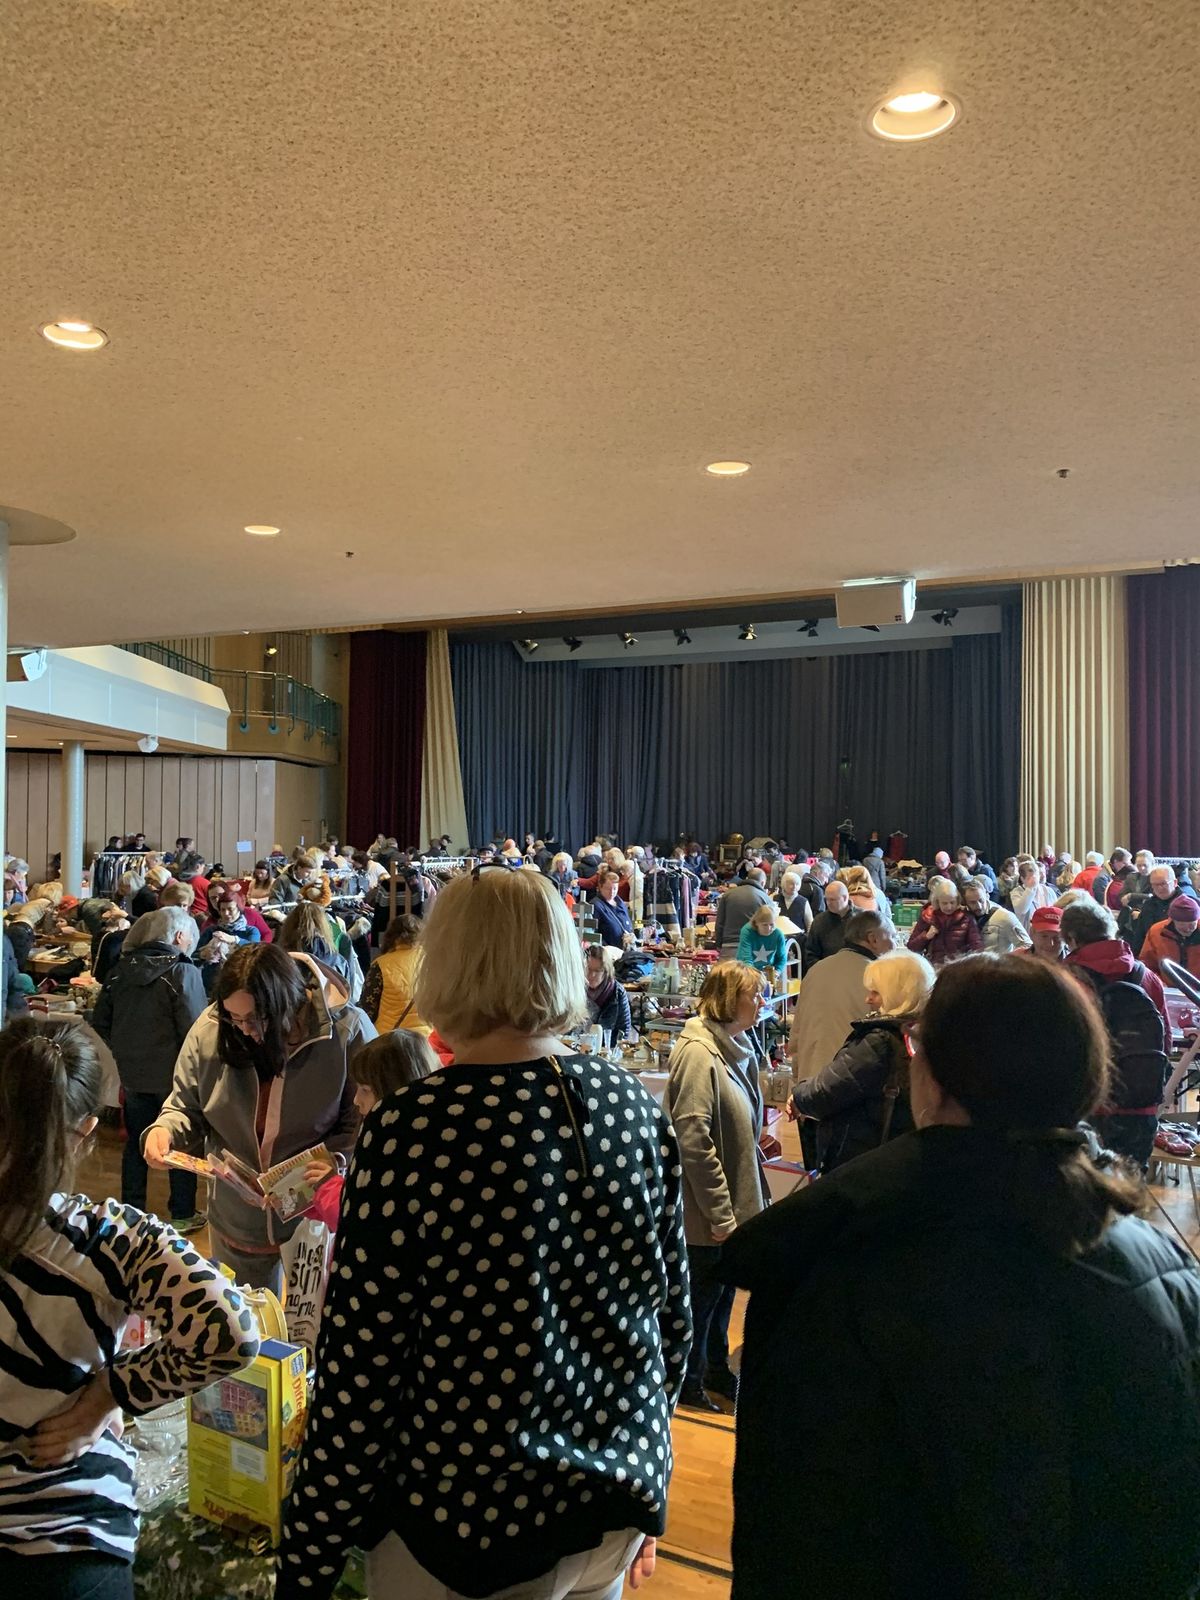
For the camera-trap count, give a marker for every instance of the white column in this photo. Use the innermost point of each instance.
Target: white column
(71, 841)
(4, 705)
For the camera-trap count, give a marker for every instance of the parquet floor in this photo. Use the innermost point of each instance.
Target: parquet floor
(694, 1559)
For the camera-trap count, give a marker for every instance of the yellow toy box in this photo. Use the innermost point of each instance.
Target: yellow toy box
(244, 1437)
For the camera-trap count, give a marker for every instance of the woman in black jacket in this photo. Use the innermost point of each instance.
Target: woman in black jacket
(996, 1363)
(607, 1002)
(860, 1099)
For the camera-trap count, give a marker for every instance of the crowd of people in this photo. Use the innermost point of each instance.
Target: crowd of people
(536, 1260)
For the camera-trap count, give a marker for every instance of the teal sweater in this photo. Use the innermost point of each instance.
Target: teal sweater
(761, 950)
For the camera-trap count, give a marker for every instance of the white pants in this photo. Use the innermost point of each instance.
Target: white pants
(393, 1573)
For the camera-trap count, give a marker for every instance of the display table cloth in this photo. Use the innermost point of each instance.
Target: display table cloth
(181, 1557)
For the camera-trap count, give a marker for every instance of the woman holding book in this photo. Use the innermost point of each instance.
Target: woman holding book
(263, 1076)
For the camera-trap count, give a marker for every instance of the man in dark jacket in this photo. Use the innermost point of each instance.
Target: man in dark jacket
(812, 885)
(735, 908)
(145, 1012)
(828, 931)
(1143, 911)
(968, 857)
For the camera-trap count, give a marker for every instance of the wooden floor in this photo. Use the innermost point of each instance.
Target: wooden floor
(694, 1559)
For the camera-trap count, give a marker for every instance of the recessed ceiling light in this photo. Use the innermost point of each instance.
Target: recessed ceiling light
(727, 469)
(905, 118)
(261, 530)
(74, 335)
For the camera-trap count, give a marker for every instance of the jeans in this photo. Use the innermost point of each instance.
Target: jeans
(73, 1577)
(712, 1304)
(140, 1111)
(394, 1574)
(252, 1269)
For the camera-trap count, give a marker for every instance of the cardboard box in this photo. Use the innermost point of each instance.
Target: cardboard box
(244, 1437)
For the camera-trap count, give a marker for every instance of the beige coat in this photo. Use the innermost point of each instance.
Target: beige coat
(832, 996)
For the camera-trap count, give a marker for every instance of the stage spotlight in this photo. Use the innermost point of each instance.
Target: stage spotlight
(946, 618)
(746, 633)
(572, 644)
(810, 626)
(529, 645)
(682, 636)
(627, 639)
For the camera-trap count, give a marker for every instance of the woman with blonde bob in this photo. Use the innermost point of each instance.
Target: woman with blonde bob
(510, 1301)
(717, 1111)
(861, 1098)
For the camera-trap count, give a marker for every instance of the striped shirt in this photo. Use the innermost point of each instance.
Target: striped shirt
(64, 1303)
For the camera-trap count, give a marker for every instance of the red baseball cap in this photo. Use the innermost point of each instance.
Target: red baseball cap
(1046, 917)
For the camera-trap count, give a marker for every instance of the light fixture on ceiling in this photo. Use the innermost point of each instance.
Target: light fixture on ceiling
(261, 530)
(148, 744)
(529, 645)
(627, 639)
(727, 469)
(919, 114)
(272, 650)
(573, 644)
(682, 636)
(810, 626)
(74, 335)
(746, 633)
(945, 618)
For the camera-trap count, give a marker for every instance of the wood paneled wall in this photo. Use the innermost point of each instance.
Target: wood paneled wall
(217, 800)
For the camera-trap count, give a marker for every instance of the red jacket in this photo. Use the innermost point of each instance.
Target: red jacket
(1165, 943)
(943, 935)
(1112, 960)
(1086, 878)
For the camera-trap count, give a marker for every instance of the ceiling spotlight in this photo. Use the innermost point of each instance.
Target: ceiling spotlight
(810, 626)
(945, 618)
(682, 636)
(746, 632)
(627, 639)
(905, 118)
(74, 335)
(529, 645)
(727, 469)
(573, 644)
(272, 650)
(261, 530)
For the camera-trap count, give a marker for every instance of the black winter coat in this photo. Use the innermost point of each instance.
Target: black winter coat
(825, 938)
(848, 1096)
(145, 1012)
(980, 1418)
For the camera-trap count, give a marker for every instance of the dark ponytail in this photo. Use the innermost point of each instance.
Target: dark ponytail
(49, 1085)
(1023, 1048)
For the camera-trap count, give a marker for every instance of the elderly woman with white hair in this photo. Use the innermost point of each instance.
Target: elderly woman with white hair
(944, 930)
(861, 1098)
(791, 903)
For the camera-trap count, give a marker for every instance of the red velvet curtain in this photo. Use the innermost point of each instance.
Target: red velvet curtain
(1164, 711)
(385, 732)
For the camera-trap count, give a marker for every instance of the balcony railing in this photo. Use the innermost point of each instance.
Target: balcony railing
(282, 703)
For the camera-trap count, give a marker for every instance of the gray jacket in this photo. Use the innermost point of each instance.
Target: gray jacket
(717, 1111)
(734, 910)
(213, 1107)
(145, 1012)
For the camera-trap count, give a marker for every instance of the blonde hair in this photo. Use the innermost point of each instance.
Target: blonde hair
(857, 880)
(500, 950)
(770, 911)
(158, 877)
(562, 862)
(902, 980)
(177, 894)
(723, 988)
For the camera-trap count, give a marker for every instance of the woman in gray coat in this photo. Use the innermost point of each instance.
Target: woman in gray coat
(716, 1108)
(263, 1075)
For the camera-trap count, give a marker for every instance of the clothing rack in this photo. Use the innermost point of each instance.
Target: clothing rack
(108, 868)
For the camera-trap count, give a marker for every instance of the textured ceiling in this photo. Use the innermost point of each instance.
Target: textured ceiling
(473, 288)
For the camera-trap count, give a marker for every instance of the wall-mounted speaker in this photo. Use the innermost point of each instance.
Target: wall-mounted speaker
(876, 605)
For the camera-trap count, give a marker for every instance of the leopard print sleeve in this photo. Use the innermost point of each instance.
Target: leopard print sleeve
(205, 1328)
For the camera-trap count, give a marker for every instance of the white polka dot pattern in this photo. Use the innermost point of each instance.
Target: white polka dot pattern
(505, 1332)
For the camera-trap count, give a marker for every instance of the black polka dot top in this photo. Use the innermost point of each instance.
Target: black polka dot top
(506, 1329)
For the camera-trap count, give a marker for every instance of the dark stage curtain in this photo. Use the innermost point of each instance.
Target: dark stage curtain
(385, 730)
(983, 740)
(1164, 711)
(783, 747)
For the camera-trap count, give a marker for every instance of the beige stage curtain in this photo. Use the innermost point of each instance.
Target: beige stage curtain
(443, 807)
(1074, 716)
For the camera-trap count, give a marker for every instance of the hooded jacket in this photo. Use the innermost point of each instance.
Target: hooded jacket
(1113, 962)
(1164, 942)
(716, 1108)
(873, 862)
(849, 1097)
(945, 935)
(212, 1106)
(991, 1419)
(145, 1011)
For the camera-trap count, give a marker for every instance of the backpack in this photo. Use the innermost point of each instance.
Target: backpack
(1135, 1028)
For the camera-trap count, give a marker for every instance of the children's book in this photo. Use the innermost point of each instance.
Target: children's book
(283, 1186)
